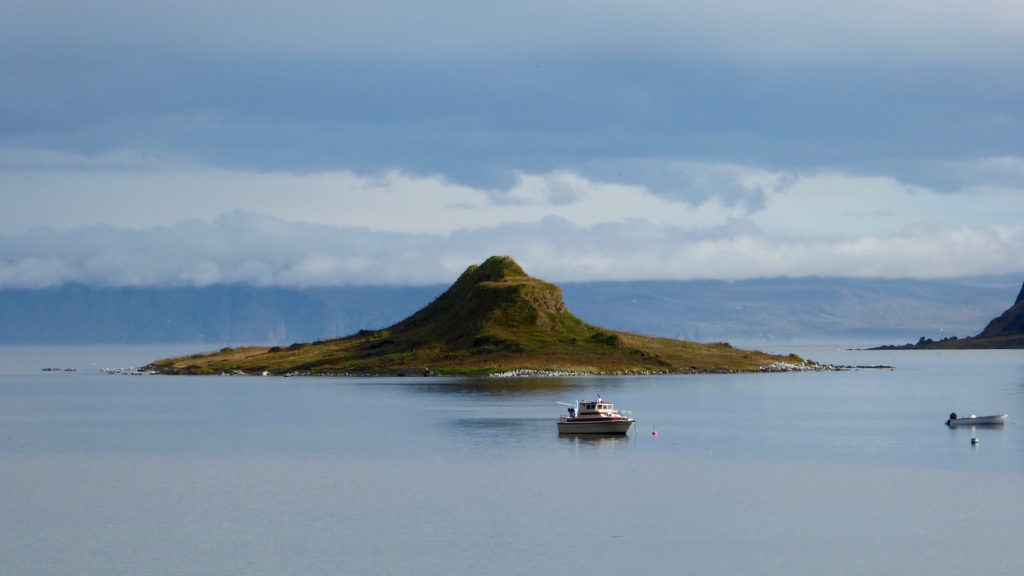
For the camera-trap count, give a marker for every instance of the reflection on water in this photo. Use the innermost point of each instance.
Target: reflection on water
(597, 441)
(571, 388)
(498, 425)
(496, 386)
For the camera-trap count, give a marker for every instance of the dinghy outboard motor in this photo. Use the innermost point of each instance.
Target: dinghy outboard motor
(952, 416)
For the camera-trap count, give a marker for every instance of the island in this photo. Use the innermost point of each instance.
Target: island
(1004, 332)
(494, 320)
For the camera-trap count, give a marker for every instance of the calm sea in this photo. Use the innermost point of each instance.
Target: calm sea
(811, 473)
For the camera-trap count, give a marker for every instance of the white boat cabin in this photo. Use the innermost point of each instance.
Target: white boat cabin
(593, 409)
(599, 407)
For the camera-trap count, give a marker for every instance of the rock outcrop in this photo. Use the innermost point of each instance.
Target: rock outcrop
(1005, 331)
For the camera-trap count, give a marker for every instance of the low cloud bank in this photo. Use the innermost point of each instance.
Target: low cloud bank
(260, 250)
(167, 223)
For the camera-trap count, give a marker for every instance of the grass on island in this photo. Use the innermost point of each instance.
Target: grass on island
(494, 318)
(634, 354)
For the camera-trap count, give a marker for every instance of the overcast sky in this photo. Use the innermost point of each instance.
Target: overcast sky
(348, 142)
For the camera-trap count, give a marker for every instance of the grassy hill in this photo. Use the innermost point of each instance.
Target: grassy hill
(494, 318)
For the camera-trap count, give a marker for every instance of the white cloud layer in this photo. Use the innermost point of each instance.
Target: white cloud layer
(261, 250)
(165, 224)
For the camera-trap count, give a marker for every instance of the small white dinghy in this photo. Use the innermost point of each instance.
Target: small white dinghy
(972, 420)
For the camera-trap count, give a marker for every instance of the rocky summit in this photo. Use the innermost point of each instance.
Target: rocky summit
(494, 319)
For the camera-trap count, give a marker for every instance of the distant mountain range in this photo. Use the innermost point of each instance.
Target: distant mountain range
(223, 315)
(780, 310)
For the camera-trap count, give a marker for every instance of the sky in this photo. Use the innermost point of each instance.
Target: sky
(318, 143)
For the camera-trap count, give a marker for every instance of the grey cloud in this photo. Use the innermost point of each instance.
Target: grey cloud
(800, 30)
(691, 182)
(954, 176)
(462, 90)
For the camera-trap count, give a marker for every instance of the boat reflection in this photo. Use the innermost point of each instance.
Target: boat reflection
(596, 441)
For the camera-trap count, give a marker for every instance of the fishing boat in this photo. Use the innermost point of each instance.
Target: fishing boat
(594, 417)
(972, 420)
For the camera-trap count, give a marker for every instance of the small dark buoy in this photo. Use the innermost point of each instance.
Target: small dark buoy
(975, 441)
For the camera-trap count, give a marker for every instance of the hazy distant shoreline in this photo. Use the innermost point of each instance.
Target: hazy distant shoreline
(845, 310)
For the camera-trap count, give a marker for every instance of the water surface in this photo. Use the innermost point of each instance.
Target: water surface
(837, 472)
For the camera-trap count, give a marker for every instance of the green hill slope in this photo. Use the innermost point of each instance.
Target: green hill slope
(494, 318)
